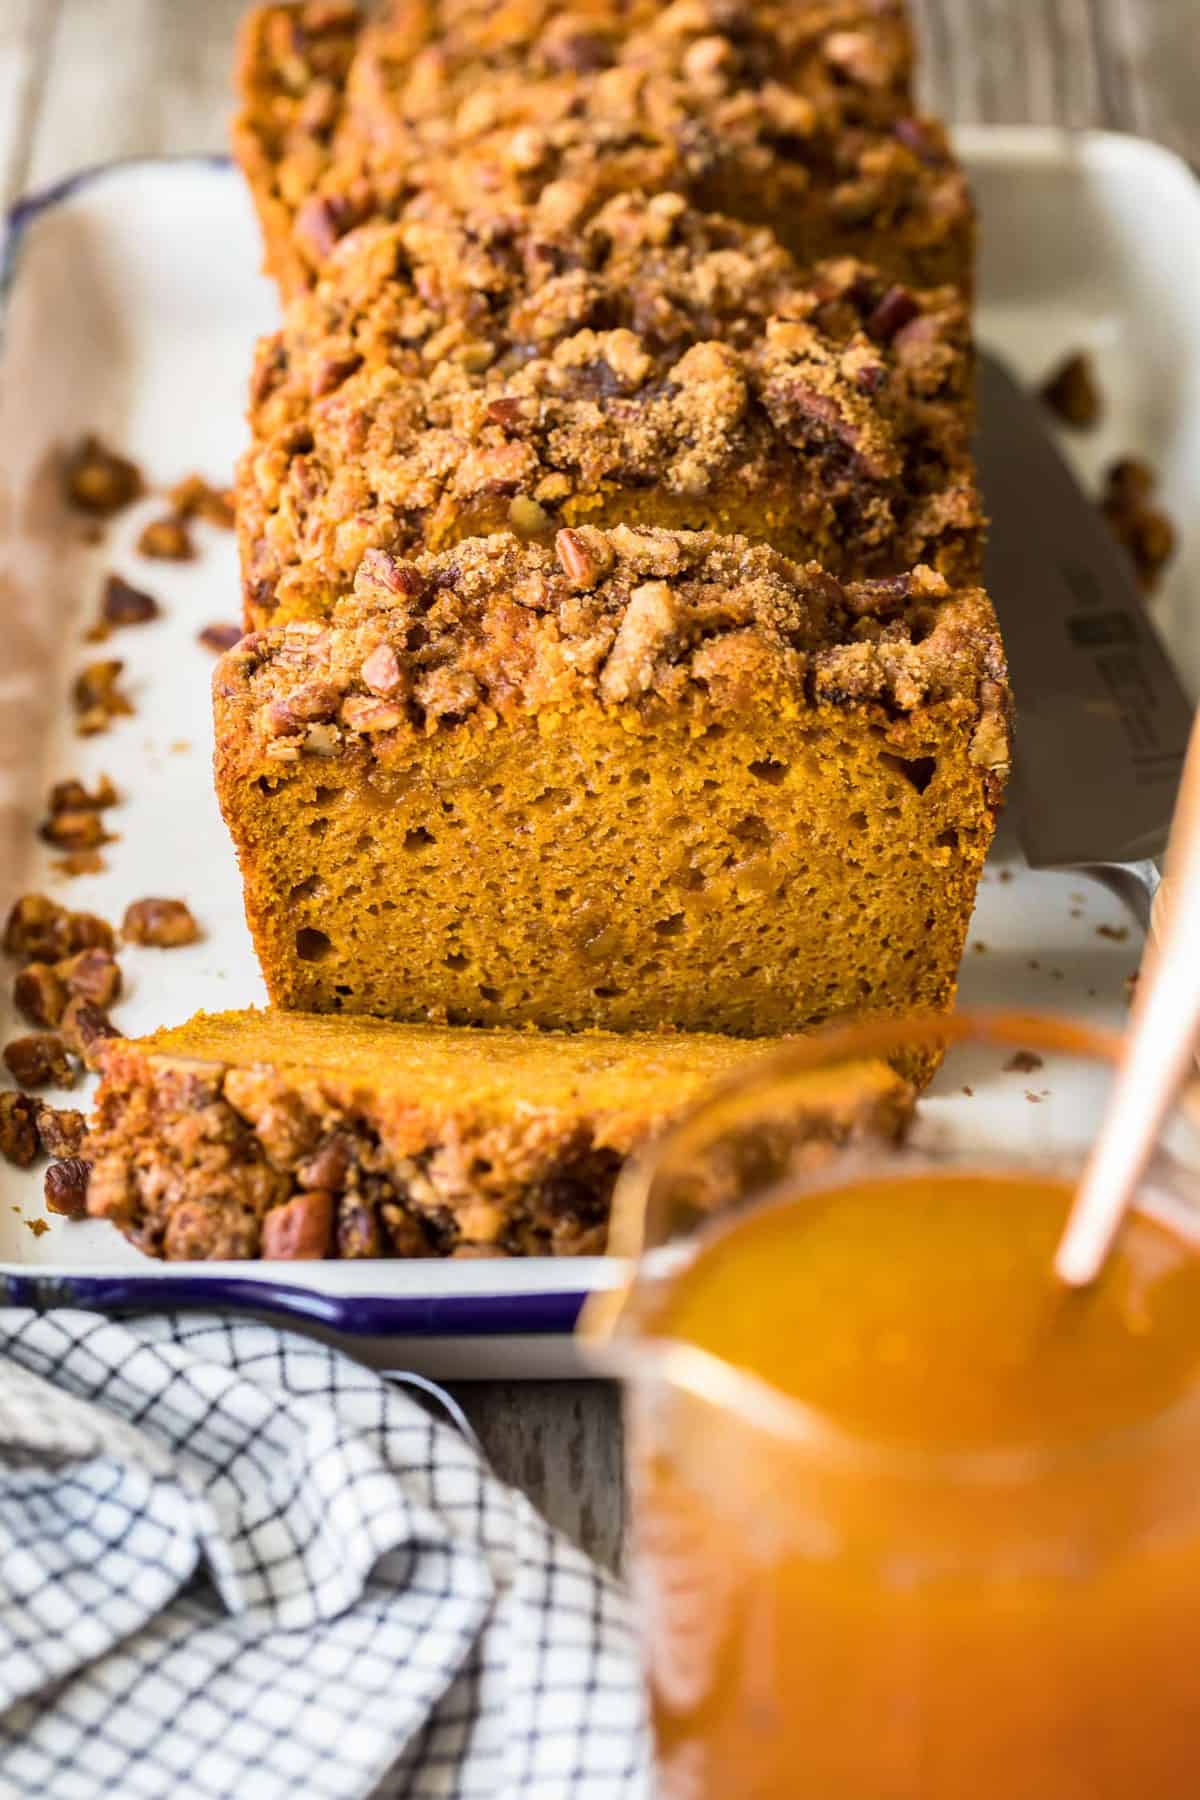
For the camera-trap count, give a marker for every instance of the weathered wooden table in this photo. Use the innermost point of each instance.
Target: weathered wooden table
(83, 81)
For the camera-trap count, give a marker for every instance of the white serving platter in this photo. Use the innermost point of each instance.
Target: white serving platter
(132, 299)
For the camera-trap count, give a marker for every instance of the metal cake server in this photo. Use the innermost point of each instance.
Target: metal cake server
(1102, 717)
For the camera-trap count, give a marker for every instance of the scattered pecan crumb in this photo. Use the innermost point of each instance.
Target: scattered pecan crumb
(73, 796)
(1144, 529)
(66, 1187)
(167, 540)
(86, 931)
(39, 995)
(1073, 394)
(1033, 1099)
(40, 930)
(79, 862)
(60, 1129)
(1116, 934)
(164, 923)
(219, 637)
(1006, 875)
(82, 830)
(38, 1227)
(93, 975)
(39, 1060)
(969, 1092)
(84, 1027)
(195, 498)
(979, 947)
(123, 604)
(1023, 1063)
(18, 1128)
(97, 480)
(97, 699)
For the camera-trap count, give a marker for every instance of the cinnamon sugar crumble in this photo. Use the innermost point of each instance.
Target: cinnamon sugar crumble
(725, 386)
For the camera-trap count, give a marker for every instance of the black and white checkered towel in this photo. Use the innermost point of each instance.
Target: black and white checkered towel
(234, 1563)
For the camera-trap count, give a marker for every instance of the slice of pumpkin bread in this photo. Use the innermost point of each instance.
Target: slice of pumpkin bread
(650, 365)
(252, 1133)
(800, 117)
(642, 777)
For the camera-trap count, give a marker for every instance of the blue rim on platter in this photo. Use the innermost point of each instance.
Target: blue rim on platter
(544, 1313)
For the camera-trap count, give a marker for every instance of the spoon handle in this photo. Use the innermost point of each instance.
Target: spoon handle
(1163, 1032)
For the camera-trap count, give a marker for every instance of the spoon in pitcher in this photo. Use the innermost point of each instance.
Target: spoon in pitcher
(1163, 1035)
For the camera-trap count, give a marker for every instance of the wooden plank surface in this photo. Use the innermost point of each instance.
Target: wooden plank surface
(82, 81)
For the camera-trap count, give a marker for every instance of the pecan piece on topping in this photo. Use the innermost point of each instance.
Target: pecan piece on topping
(97, 480)
(93, 975)
(218, 637)
(898, 308)
(60, 1129)
(507, 410)
(66, 1187)
(39, 995)
(359, 713)
(18, 1128)
(85, 1027)
(330, 372)
(575, 560)
(313, 701)
(163, 923)
(327, 1167)
(39, 1060)
(167, 540)
(319, 223)
(381, 672)
(97, 698)
(301, 1230)
(195, 498)
(1073, 394)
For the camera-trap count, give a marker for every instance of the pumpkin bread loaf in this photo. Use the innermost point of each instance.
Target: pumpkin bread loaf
(648, 365)
(252, 1133)
(643, 777)
(797, 116)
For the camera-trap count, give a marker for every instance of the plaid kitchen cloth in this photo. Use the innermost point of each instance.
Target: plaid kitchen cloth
(235, 1563)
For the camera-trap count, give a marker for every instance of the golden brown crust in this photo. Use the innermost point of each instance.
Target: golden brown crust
(247, 1134)
(646, 363)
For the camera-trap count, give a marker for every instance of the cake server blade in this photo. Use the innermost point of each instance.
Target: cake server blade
(1102, 717)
